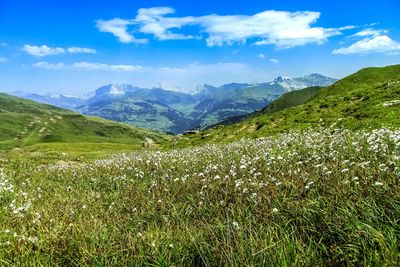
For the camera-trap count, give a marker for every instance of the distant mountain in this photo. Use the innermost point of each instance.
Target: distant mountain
(68, 102)
(173, 109)
(311, 80)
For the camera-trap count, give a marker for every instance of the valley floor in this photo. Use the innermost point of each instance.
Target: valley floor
(326, 196)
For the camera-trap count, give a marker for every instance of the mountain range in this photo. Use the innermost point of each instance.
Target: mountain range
(174, 110)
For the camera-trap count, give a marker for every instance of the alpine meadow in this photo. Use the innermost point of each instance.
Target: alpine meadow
(257, 133)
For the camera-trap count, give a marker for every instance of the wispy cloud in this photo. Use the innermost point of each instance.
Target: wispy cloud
(370, 32)
(273, 60)
(3, 59)
(75, 50)
(374, 43)
(187, 76)
(261, 56)
(153, 21)
(213, 73)
(119, 28)
(87, 66)
(280, 28)
(44, 50)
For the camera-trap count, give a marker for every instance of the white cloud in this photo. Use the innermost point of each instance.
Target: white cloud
(273, 60)
(3, 59)
(45, 65)
(88, 66)
(152, 21)
(75, 50)
(262, 56)
(374, 44)
(280, 28)
(370, 32)
(44, 50)
(102, 66)
(118, 27)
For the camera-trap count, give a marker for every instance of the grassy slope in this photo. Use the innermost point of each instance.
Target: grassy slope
(290, 99)
(25, 123)
(354, 102)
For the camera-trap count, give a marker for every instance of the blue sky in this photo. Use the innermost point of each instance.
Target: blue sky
(73, 47)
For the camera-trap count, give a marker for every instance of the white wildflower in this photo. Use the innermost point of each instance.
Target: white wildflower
(235, 225)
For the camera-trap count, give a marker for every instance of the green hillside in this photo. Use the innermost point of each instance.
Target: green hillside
(25, 123)
(369, 98)
(290, 99)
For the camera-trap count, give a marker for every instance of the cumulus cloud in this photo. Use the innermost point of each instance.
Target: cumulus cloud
(280, 28)
(87, 66)
(44, 50)
(373, 44)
